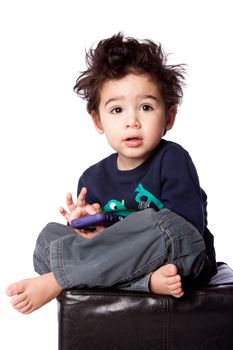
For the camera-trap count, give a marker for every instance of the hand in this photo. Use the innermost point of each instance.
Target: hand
(81, 208)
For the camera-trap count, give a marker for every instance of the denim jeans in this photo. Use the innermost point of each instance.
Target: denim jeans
(124, 254)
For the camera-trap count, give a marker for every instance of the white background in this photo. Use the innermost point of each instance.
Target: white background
(47, 139)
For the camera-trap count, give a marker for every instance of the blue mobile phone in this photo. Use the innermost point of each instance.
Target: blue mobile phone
(89, 222)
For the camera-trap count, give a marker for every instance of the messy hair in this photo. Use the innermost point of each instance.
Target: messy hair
(115, 57)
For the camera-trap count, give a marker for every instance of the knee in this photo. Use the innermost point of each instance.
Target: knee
(49, 228)
(51, 231)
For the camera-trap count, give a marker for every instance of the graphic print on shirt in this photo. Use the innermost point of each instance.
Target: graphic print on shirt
(115, 206)
(144, 198)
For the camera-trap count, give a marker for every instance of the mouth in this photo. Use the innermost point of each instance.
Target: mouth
(132, 138)
(133, 141)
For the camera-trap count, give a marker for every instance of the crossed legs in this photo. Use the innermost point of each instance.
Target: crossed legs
(30, 294)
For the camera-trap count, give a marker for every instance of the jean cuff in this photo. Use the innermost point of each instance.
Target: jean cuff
(139, 285)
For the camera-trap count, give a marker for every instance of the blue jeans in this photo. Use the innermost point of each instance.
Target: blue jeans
(123, 255)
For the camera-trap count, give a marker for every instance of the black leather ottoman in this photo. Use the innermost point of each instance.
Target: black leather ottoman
(119, 320)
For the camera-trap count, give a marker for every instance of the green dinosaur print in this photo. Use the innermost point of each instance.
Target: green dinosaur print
(115, 206)
(143, 197)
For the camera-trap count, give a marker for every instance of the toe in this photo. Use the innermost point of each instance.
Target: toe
(20, 305)
(26, 309)
(171, 269)
(14, 289)
(175, 286)
(173, 280)
(10, 291)
(179, 294)
(18, 299)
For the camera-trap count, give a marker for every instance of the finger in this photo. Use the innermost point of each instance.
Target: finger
(77, 213)
(90, 209)
(70, 202)
(97, 207)
(64, 213)
(81, 200)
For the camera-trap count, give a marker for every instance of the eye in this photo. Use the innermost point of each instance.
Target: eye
(113, 206)
(146, 108)
(116, 110)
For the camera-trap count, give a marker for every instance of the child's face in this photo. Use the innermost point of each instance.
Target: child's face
(133, 117)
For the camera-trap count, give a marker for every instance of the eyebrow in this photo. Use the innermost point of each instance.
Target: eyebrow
(122, 98)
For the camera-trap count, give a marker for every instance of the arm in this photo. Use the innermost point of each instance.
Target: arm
(181, 191)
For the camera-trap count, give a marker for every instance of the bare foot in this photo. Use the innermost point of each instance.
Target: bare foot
(166, 281)
(30, 294)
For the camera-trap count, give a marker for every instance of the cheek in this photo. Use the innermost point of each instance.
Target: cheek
(112, 137)
(154, 137)
(112, 127)
(111, 133)
(155, 130)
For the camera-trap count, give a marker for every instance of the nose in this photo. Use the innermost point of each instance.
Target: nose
(132, 120)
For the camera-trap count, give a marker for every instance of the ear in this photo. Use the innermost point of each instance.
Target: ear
(171, 117)
(97, 122)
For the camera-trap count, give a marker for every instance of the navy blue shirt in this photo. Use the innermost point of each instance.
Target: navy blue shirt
(168, 179)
